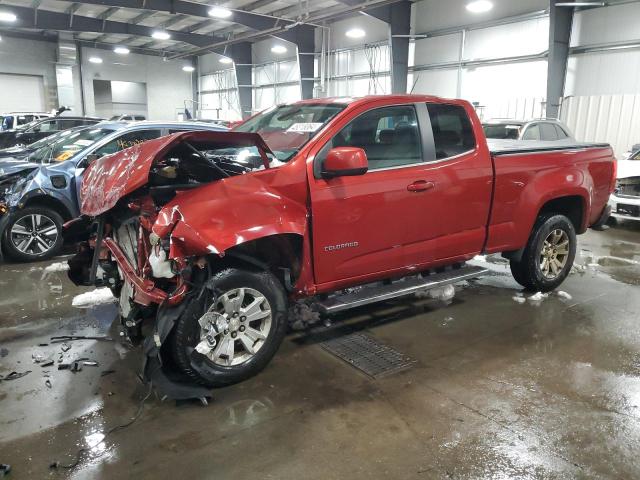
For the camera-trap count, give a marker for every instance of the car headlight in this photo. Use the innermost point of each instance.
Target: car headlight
(11, 183)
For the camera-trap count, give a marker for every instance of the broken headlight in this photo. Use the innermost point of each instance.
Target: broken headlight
(11, 183)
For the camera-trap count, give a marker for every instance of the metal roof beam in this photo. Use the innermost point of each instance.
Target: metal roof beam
(48, 20)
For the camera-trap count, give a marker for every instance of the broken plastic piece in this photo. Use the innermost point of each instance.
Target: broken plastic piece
(67, 338)
(14, 375)
(5, 469)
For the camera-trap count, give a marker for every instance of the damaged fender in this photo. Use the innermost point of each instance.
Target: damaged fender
(227, 213)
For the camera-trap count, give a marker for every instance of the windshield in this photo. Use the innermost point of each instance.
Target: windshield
(635, 156)
(43, 142)
(67, 146)
(502, 131)
(287, 128)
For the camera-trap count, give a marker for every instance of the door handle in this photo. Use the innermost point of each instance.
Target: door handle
(420, 186)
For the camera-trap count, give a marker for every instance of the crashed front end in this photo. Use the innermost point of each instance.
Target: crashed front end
(142, 248)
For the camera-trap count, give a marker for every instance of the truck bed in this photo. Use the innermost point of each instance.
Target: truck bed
(508, 147)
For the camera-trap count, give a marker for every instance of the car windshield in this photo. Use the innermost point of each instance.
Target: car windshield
(43, 142)
(635, 156)
(68, 145)
(502, 131)
(287, 128)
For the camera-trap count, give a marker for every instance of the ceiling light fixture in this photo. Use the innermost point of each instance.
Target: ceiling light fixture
(279, 49)
(95, 59)
(160, 35)
(188, 68)
(580, 4)
(7, 17)
(355, 33)
(121, 50)
(226, 60)
(479, 6)
(220, 12)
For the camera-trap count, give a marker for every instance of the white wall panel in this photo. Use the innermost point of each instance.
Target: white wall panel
(442, 83)
(445, 48)
(375, 31)
(438, 14)
(21, 93)
(614, 119)
(604, 73)
(512, 40)
(30, 57)
(616, 23)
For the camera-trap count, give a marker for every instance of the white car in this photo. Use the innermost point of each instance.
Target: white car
(12, 120)
(625, 199)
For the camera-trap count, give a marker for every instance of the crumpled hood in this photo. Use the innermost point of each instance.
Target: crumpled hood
(9, 166)
(110, 178)
(628, 168)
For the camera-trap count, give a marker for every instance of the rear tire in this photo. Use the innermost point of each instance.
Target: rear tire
(548, 256)
(215, 349)
(23, 243)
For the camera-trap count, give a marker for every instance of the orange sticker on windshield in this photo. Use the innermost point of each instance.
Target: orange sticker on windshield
(64, 156)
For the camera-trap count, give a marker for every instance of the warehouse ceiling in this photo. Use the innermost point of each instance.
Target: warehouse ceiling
(131, 23)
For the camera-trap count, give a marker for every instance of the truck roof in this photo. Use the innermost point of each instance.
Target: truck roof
(373, 98)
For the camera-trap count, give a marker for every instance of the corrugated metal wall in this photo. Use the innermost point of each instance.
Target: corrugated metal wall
(614, 119)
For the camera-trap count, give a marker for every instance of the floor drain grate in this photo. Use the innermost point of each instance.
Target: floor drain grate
(368, 354)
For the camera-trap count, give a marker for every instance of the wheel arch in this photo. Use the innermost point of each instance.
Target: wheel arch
(52, 203)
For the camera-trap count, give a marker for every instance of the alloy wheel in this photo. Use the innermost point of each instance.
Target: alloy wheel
(554, 254)
(235, 327)
(34, 234)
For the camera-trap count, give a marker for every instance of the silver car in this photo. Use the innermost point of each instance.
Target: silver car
(541, 130)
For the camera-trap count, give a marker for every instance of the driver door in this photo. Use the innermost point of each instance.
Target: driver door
(359, 223)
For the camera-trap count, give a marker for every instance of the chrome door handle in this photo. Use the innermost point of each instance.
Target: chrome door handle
(420, 186)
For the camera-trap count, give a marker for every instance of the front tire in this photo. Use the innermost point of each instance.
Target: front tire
(548, 255)
(33, 233)
(231, 331)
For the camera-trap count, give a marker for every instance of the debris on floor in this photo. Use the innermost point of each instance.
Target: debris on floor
(444, 294)
(564, 295)
(67, 338)
(94, 297)
(519, 299)
(76, 365)
(4, 352)
(302, 315)
(57, 267)
(537, 297)
(14, 376)
(5, 469)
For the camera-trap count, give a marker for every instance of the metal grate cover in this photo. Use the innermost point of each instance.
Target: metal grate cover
(368, 354)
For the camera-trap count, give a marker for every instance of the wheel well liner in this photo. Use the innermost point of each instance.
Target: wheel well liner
(281, 254)
(50, 202)
(571, 207)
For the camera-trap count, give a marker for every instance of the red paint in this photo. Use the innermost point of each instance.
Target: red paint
(359, 228)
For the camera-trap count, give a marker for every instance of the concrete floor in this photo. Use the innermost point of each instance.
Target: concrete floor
(499, 389)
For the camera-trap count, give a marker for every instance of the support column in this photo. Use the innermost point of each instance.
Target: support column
(241, 55)
(560, 21)
(399, 24)
(305, 41)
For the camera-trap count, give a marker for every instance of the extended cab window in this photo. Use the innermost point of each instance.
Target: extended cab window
(548, 132)
(561, 133)
(532, 133)
(389, 136)
(127, 140)
(452, 130)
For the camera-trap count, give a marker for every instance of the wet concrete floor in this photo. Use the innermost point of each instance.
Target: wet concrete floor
(500, 389)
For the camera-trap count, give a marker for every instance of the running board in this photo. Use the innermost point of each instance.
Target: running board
(406, 286)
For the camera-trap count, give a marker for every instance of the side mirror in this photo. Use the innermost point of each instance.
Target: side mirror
(345, 161)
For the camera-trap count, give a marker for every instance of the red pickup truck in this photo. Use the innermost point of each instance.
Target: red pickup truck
(208, 237)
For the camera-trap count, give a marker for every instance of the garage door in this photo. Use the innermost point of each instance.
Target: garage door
(21, 93)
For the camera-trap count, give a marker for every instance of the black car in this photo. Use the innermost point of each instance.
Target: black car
(38, 129)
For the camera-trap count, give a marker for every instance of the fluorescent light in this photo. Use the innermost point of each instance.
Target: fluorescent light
(479, 6)
(279, 49)
(121, 50)
(7, 17)
(220, 12)
(355, 33)
(226, 60)
(580, 4)
(159, 35)
(95, 59)
(188, 68)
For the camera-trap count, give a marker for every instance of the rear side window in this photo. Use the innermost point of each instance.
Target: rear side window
(561, 133)
(548, 132)
(452, 130)
(532, 133)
